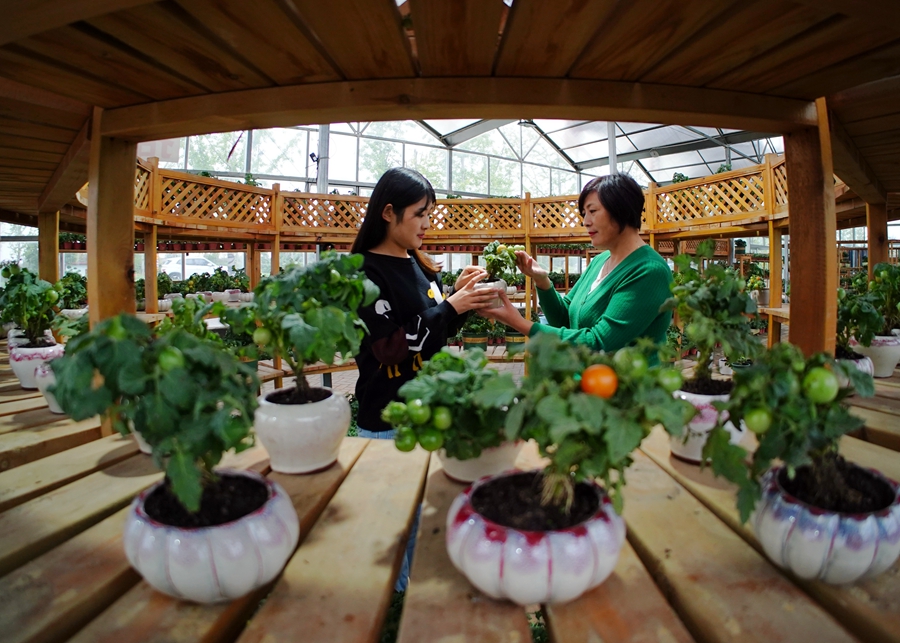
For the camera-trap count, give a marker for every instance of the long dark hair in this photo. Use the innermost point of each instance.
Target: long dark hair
(399, 187)
(620, 195)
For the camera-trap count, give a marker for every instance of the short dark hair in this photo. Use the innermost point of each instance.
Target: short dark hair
(620, 195)
(399, 187)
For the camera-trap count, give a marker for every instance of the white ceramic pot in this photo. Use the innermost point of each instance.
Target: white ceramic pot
(246, 296)
(511, 290)
(219, 296)
(213, 564)
(302, 438)
(16, 337)
(491, 462)
(234, 294)
(163, 305)
(74, 313)
(499, 286)
(24, 361)
(533, 566)
(884, 352)
(173, 295)
(724, 368)
(143, 446)
(829, 546)
(43, 378)
(863, 364)
(690, 445)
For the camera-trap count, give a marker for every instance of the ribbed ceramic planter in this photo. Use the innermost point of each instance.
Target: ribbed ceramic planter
(533, 566)
(829, 546)
(213, 564)
(491, 462)
(302, 438)
(44, 378)
(863, 364)
(499, 286)
(690, 445)
(24, 361)
(884, 352)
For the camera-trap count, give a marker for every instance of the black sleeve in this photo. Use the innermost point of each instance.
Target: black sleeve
(393, 338)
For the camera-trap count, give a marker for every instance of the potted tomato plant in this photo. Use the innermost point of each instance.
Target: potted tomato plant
(885, 345)
(191, 535)
(304, 315)
(28, 302)
(587, 412)
(814, 513)
(440, 414)
(713, 304)
(475, 331)
(498, 259)
(858, 320)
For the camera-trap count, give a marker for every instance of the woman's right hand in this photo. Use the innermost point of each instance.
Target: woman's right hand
(471, 298)
(529, 267)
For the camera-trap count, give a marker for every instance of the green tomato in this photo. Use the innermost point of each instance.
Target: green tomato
(630, 362)
(58, 286)
(52, 296)
(820, 386)
(405, 439)
(758, 420)
(5, 273)
(419, 412)
(14, 269)
(262, 336)
(334, 277)
(395, 413)
(431, 439)
(670, 380)
(441, 418)
(170, 358)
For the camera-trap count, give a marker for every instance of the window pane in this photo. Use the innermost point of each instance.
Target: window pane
(401, 130)
(280, 151)
(377, 157)
(211, 152)
(430, 161)
(505, 179)
(564, 182)
(469, 173)
(536, 180)
(342, 157)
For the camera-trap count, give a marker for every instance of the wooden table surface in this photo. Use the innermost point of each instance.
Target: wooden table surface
(689, 570)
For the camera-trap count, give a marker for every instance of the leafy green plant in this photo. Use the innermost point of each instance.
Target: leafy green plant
(755, 282)
(72, 289)
(794, 406)
(477, 325)
(308, 314)
(885, 286)
(678, 177)
(713, 303)
(499, 258)
(587, 411)
(439, 409)
(187, 397)
(188, 315)
(164, 285)
(140, 289)
(28, 302)
(858, 317)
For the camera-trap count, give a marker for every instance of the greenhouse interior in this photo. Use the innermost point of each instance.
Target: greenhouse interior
(416, 321)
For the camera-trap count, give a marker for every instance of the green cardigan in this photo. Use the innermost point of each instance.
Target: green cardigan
(622, 308)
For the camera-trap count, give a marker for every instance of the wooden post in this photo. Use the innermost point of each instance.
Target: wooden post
(48, 246)
(277, 214)
(151, 290)
(650, 209)
(527, 223)
(252, 263)
(813, 225)
(775, 285)
(769, 191)
(110, 224)
(876, 221)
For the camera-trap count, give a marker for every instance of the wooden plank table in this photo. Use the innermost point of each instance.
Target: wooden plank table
(881, 412)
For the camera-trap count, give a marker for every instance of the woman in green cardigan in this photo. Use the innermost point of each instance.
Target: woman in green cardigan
(617, 299)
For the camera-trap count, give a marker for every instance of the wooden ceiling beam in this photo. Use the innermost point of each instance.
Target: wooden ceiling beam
(483, 98)
(36, 16)
(70, 175)
(851, 166)
(884, 14)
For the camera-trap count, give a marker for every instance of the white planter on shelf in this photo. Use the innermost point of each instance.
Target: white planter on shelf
(246, 296)
(302, 438)
(234, 294)
(491, 462)
(533, 566)
(24, 361)
(44, 377)
(863, 364)
(689, 446)
(499, 286)
(833, 547)
(219, 296)
(884, 352)
(213, 564)
(163, 305)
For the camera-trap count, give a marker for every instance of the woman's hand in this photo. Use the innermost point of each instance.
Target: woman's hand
(470, 274)
(470, 298)
(529, 267)
(509, 315)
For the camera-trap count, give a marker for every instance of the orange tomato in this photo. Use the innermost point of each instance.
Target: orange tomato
(599, 380)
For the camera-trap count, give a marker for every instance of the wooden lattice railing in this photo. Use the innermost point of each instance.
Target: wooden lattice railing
(750, 195)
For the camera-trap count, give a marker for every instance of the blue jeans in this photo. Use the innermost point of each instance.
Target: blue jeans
(403, 578)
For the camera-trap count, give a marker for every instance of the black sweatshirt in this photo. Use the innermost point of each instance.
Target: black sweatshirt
(407, 325)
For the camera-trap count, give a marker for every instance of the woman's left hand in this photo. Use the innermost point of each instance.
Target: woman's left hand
(507, 314)
(470, 274)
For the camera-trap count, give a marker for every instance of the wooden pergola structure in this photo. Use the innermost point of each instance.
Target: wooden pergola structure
(82, 82)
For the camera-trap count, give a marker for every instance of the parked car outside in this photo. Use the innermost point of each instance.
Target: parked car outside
(192, 266)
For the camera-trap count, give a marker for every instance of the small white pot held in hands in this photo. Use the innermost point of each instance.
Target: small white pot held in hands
(884, 352)
(826, 545)
(24, 361)
(491, 462)
(499, 286)
(690, 445)
(213, 564)
(533, 566)
(302, 438)
(43, 378)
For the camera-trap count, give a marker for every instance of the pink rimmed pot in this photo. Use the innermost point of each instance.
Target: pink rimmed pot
(529, 567)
